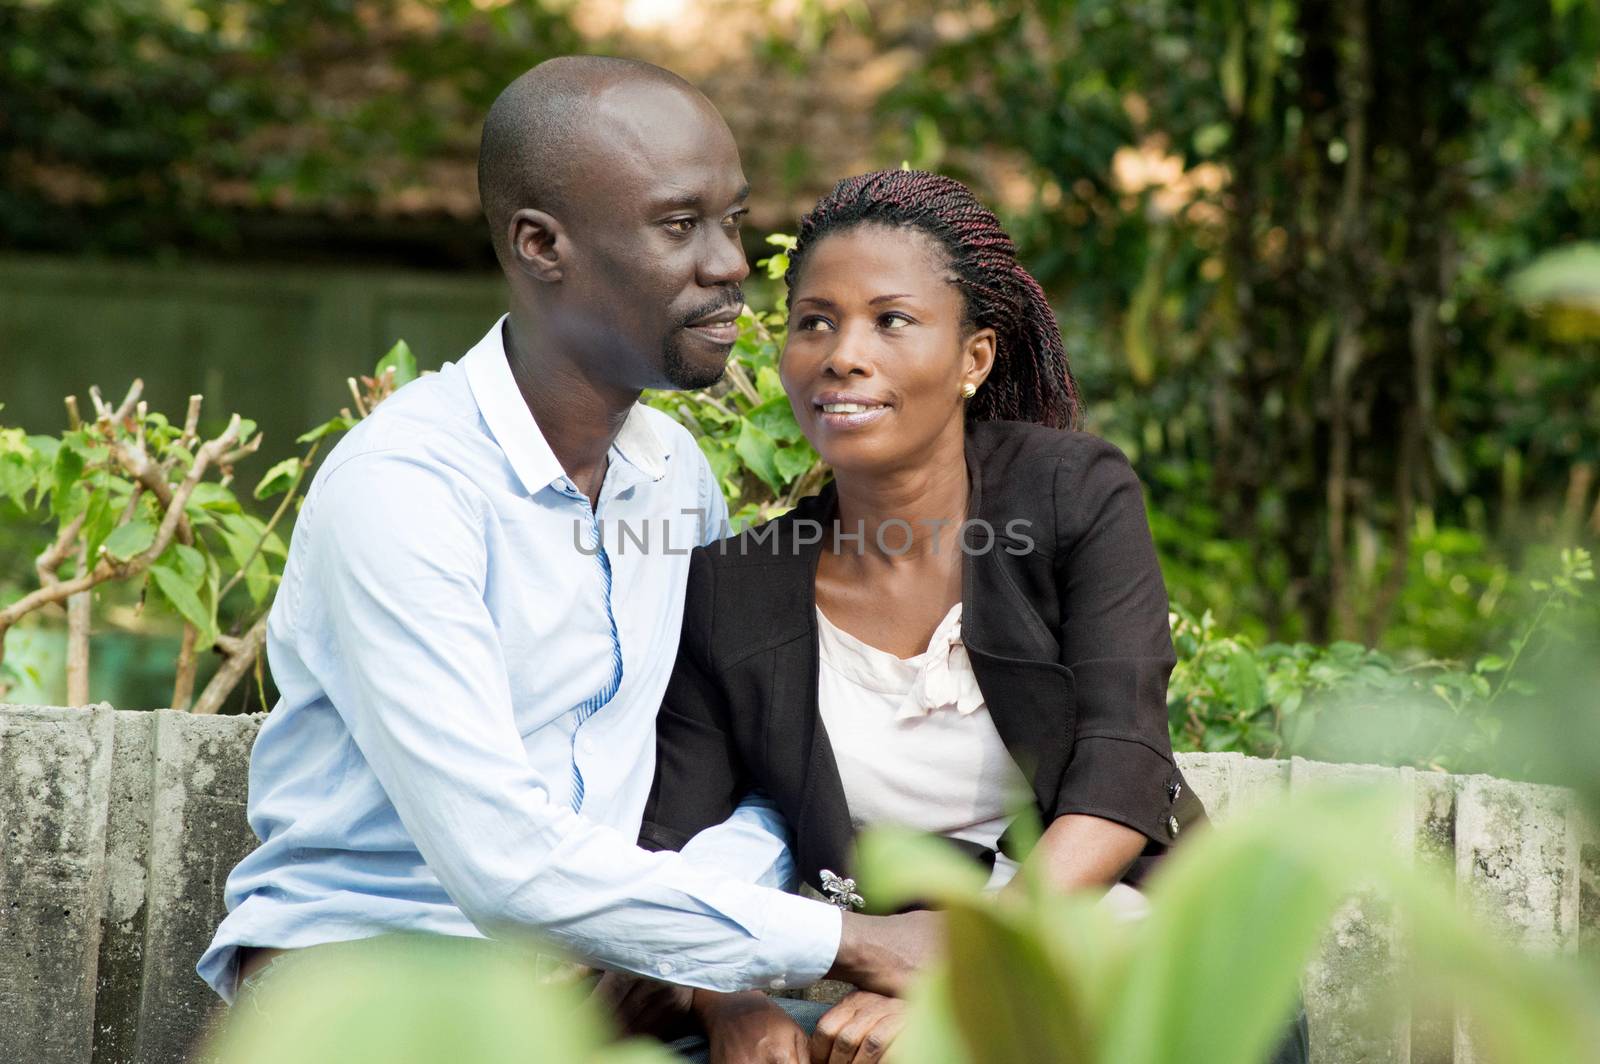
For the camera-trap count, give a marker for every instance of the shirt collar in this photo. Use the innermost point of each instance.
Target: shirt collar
(500, 401)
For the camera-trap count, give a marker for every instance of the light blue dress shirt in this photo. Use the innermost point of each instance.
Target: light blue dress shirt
(471, 661)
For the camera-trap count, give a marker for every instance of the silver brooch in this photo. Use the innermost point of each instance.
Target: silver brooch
(841, 892)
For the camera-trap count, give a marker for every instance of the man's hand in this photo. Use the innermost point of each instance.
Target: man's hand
(882, 953)
(643, 1006)
(858, 1030)
(749, 1028)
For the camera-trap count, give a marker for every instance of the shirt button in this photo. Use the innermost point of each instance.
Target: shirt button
(779, 983)
(586, 745)
(1172, 826)
(665, 968)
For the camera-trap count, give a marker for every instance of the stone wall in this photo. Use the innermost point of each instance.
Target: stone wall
(118, 829)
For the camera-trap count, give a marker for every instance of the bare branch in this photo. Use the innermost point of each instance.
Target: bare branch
(741, 381)
(129, 401)
(241, 452)
(355, 393)
(55, 555)
(183, 685)
(102, 411)
(74, 422)
(191, 421)
(239, 661)
(153, 478)
(78, 611)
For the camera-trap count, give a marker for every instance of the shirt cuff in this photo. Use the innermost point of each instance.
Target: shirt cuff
(1122, 780)
(801, 943)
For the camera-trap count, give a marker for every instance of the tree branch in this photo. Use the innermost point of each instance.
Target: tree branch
(240, 658)
(107, 569)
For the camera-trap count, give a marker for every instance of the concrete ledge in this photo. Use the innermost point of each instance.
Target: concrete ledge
(119, 829)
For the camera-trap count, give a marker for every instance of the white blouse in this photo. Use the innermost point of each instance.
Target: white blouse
(915, 744)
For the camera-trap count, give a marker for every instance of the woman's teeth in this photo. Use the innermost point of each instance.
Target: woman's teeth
(846, 408)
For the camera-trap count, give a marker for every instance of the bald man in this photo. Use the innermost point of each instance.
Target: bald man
(471, 652)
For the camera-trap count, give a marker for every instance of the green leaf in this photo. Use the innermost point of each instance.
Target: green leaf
(98, 519)
(130, 539)
(898, 867)
(278, 479)
(68, 467)
(338, 424)
(401, 360)
(240, 535)
(1284, 866)
(418, 999)
(758, 452)
(769, 386)
(209, 495)
(793, 461)
(1490, 663)
(177, 583)
(1244, 682)
(775, 417)
(16, 477)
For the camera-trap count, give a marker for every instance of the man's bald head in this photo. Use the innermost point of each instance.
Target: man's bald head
(543, 126)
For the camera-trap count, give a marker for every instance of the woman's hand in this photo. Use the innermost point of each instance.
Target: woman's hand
(749, 1028)
(858, 1030)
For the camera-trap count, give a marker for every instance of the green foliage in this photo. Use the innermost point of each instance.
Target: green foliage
(420, 1001)
(1031, 977)
(1280, 236)
(1566, 285)
(745, 425)
(1325, 702)
(150, 504)
(137, 126)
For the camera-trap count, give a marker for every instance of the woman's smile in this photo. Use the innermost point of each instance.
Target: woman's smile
(845, 411)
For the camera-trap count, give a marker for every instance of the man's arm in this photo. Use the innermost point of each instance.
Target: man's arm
(751, 846)
(413, 662)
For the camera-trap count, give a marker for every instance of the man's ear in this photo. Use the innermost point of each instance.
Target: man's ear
(538, 244)
(977, 357)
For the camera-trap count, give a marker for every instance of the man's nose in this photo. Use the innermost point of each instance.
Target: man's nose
(724, 262)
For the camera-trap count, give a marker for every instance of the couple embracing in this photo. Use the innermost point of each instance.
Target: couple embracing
(496, 721)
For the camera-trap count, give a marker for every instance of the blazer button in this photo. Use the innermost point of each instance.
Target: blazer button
(1172, 826)
(1173, 790)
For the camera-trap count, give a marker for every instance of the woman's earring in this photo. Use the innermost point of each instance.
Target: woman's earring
(968, 390)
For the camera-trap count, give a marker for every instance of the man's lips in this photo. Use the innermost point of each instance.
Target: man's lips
(716, 332)
(719, 328)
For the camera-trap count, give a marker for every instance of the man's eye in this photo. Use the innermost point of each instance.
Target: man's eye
(734, 220)
(681, 226)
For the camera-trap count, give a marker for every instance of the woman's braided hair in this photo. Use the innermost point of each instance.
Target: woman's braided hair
(1031, 379)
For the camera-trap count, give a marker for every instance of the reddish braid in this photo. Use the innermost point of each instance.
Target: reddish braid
(1031, 379)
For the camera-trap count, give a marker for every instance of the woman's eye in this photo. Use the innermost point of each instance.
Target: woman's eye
(815, 323)
(681, 226)
(894, 321)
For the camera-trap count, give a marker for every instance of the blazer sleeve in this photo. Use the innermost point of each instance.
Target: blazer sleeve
(700, 775)
(1116, 639)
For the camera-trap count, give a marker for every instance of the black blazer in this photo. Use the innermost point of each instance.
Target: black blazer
(1064, 619)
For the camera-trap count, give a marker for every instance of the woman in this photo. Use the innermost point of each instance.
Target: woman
(972, 609)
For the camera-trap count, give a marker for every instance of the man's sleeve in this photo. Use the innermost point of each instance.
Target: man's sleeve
(752, 846)
(413, 662)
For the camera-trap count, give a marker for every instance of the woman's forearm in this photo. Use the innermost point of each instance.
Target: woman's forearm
(1080, 852)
